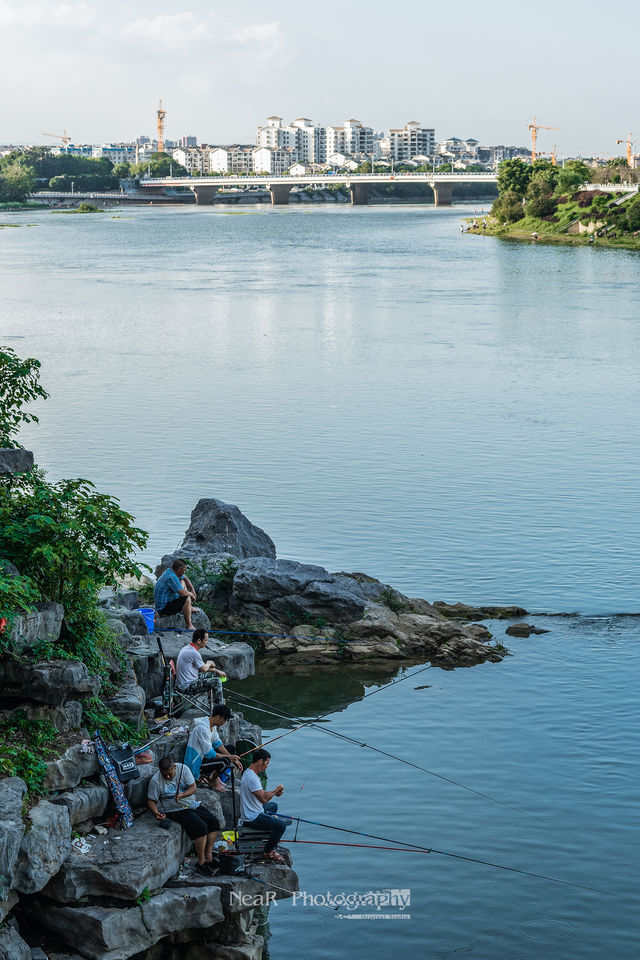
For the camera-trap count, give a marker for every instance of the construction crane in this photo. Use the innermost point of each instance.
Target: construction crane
(552, 155)
(160, 114)
(533, 128)
(629, 150)
(59, 136)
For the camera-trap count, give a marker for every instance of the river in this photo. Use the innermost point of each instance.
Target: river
(453, 414)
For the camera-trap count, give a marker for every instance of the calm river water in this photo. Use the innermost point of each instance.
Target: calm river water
(455, 415)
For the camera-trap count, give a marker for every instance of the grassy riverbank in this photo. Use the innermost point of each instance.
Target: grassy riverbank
(523, 231)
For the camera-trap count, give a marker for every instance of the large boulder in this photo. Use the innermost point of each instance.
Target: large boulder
(298, 591)
(12, 946)
(15, 461)
(65, 718)
(121, 864)
(128, 701)
(198, 619)
(50, 681)
(115, 933)
(132, 619)
(12, 791)
(67, 771)
(43, 624)
(217, 527)
(45, 845)
(83, 803)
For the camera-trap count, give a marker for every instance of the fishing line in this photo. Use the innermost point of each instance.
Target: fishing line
(383, 753)
(406, 846)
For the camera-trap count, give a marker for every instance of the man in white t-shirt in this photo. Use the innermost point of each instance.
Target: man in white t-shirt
(191, 669)
(256, 804)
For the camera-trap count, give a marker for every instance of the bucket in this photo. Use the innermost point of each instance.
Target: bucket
(148, 613)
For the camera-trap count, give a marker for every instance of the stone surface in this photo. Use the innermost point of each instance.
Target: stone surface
(68, 770)
(463, 611)
(129, 701)
(45, 623)
(121, 864)
(519, 630)
(218, 527)
(50, 681)
(113, 933)
(132, 619)
(119, 629)
(127, 599)
(7, 905)
(15, 461)
(12, 791)
(236, 659)
(9, 569)
(288, 589)
(84, 802)
(12, 946)
(198, 619)
(45, 845)
(65, 718)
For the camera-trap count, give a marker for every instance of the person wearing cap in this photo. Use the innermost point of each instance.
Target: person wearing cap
(191, 669)
(205, 755)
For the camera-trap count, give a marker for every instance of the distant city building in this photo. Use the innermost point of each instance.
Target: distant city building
(196, 160)
(412, 139)
(314, 143)
(116, 152)
(276, 161)
(237, 158)
(186, 142)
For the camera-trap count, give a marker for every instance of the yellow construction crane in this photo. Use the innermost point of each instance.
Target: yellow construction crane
(59, 136)
(629, 150)
(533, 128)
(552, 155)
(160, 114)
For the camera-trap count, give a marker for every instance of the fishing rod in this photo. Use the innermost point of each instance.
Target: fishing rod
(406, 846)
(383, 753)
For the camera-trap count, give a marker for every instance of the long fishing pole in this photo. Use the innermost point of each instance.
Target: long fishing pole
(405, 845)
(342, 736)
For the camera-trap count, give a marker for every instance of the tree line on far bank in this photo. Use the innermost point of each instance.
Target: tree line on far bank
(23, 172)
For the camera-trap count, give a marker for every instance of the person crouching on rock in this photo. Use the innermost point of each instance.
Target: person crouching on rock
(171, 796)
(205, 755)
(257, 804)
(190, 668)
(174, 593)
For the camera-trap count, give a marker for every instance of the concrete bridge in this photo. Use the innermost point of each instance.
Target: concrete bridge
(280, 187)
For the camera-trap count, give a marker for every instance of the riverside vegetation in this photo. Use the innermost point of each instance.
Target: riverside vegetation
(550, 201)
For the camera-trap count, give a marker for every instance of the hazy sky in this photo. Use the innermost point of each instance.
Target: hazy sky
(467, 68)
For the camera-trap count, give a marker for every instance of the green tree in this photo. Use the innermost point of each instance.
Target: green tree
(122, 170)
(508, 207)
(514, 177)
(160, 165)
(540, 201)
(16, 182)
(61, 182)
(572, 175)
(19, 385)
(632, 215)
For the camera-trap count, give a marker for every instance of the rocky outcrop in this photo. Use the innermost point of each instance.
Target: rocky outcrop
(67, 771)
(84, 803)
(12, 791)
(462, 611)
(122, 870)
(523, 630)
(15, 461)
(115, 933)
(50, 681)
(45, 845)
(12, 946)
(236, 659)
(198, 619)
(44, 623)
(129, 701)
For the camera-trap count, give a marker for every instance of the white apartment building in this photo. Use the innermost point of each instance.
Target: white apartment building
(314, 143)
(276, 161)
(194, 159)
(237, 158)
(412, 139)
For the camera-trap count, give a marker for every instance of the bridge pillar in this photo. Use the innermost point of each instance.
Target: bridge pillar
(442, 194)
(359, 193)
(204, 192)
(279, 193)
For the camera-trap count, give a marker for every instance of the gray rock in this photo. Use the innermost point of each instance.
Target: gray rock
(7, 905)
(38, 954)
(45, 623)
(45, 845)
(15, 461)
(218, 527)
(129, 701)
(121, 864)
(64, 718)
(83, 803)
(519, 630)
(132, 619)
(463, 611)
(260, 580)
(12, 946)
(50, 681)
(68, 770)
(330, 601)
(119, 629)
(12, 791)
(198, 619)
(127, 599)
(113, 933)
(251, 948)
(8, 568)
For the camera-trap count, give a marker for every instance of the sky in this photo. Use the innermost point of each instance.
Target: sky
(484, 70)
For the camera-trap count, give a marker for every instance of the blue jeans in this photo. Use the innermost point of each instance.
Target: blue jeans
(271, 825)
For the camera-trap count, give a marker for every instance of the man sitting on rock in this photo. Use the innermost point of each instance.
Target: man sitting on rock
(190, 666)
(174, 593)
(205, 755)
(257, 803)
(171, 795)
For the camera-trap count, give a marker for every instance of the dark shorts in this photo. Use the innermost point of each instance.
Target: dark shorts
(174, 606)
(195, 823)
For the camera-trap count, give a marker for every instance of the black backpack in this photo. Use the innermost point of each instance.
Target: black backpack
(125, 762)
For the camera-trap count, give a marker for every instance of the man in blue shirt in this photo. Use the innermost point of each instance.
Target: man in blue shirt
(174, 593)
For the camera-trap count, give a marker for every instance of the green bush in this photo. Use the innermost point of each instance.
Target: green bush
(19, 385)
(25, 744)
(508, 207)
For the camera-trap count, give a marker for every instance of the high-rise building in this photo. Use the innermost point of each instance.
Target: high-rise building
(185, 143)
(410, 141)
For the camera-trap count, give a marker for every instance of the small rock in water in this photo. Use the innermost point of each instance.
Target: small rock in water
(523, 630)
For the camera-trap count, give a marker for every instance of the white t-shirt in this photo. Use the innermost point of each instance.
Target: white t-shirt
(249, 804)
(188, 666)
(164, 791)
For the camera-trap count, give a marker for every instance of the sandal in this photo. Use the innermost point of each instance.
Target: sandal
(275, 856)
